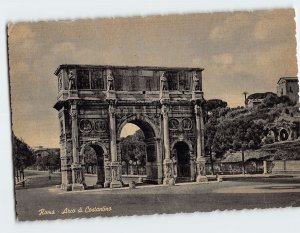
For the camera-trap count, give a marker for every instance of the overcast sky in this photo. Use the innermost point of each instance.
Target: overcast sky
(240, 51)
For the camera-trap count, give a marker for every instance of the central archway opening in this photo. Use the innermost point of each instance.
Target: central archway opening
(181, 158)
(94, 165)
(137, 148)
(133, 151)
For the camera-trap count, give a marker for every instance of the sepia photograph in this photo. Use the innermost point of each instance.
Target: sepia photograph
(161, 114)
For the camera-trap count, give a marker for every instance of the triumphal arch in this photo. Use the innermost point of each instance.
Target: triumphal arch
(95, 102)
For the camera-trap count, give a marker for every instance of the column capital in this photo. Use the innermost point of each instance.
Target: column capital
(73, 111)
(73, 114)
(165, 110)
(198, 110)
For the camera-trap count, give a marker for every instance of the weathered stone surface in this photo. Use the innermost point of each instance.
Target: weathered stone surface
(201, 179)
(77, 187)
(95, 102)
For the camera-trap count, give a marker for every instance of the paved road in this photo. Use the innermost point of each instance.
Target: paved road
(248, 193)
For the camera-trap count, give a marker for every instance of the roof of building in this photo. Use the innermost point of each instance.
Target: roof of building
(260, 95)
(40, 148)
(127, 67)
(293, 79)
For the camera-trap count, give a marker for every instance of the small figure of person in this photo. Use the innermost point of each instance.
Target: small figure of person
(110, 81)
(71, 81)
(163, 82)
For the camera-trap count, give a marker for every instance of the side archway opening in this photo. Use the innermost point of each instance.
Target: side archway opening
(182, 161)
(93, 160)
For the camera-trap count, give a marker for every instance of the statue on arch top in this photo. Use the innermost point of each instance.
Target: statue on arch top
(196, 82)
(163, 82)
(110, 81)
(71, 81)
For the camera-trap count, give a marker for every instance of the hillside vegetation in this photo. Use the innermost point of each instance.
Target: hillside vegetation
(240, 130)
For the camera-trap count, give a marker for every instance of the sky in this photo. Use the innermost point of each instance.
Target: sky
(240, 51)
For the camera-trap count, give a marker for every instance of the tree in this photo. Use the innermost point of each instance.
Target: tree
(90, 159)
(22, 157)
(212, 107)
(270, 101)
(48, 160)
(243, 128)
(214, 103)
(238, 133)
(133, 148)
(39, 162)
(285, 100)
(214, 110)
(209, 132)
(54, 160)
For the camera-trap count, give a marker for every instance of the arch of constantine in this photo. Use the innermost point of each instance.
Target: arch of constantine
(94, 103)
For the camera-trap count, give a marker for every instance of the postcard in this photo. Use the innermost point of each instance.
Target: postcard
(154, 115)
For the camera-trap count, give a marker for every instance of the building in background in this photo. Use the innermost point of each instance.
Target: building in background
(41, 153)
(288, 86)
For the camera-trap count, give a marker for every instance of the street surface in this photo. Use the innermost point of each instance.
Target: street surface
(41, 199)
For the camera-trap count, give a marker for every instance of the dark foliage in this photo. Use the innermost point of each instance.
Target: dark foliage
(22, 156)
(133, 148)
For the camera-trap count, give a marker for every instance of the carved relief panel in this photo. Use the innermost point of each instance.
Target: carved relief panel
(180, 124)
(93, 127)
(69, 149)
(181, 128)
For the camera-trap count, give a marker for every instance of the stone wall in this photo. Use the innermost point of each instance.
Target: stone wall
(232, 168)
(286, 166)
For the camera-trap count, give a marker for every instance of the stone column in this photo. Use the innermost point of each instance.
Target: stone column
(65, 185)
(168, 163)
(200, 152)
(159, 161)
(115, 164)
(77, 174)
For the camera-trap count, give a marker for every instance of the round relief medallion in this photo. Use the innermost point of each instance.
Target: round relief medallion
(85, 125)
(187, 123)
(100, 125)
(173, 124)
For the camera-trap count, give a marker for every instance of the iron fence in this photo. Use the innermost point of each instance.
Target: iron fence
(128, 169)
